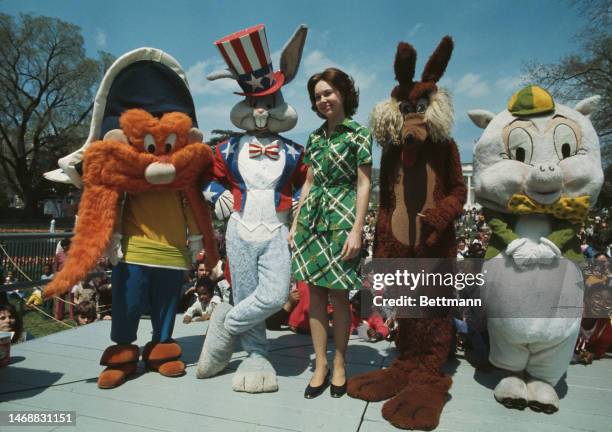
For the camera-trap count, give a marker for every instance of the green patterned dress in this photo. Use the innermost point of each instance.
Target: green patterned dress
(328, 212)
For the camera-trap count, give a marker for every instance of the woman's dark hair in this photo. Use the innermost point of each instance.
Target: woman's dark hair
(340, 81)
(18, 328)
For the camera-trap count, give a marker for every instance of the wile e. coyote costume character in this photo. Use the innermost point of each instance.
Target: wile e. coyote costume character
(537, 169)
(142, 150)
(421, 194)
(261, 171)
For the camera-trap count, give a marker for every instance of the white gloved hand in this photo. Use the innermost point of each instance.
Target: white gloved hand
(524, 252)
(217, 272)
(548, 251)
(114, 252)
(550, 245)
(224, 205)
(195, 245)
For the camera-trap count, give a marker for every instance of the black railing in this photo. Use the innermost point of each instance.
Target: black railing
(27, 253)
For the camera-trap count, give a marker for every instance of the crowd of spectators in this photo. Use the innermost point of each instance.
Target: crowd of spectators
(91, 299)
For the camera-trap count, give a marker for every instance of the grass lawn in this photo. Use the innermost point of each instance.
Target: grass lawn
(39, 325)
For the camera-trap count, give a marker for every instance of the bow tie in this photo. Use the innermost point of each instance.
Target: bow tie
(573, 209)
(271, 150)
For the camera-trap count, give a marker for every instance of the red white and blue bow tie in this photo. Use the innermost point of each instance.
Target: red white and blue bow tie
(271, 150)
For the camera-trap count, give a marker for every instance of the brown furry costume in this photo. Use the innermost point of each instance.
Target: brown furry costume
(422, 192)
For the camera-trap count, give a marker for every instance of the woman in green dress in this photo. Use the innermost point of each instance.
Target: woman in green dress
(326, 235)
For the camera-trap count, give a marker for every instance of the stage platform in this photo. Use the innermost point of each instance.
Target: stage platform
(59, 372)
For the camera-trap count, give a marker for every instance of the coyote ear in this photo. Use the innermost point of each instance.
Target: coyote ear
(405, 60)
(436, 65)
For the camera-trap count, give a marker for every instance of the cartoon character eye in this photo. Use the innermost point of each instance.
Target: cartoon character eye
(149, 143)
(422, 105)
(566, 143)
(520, 146)
(170, 141)
(405, 108)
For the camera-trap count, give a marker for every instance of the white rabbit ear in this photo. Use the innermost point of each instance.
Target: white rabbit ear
(223, 73)
(292, 53)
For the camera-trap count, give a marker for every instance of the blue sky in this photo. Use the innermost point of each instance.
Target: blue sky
(493, 39)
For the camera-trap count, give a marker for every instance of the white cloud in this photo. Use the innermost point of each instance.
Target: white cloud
(317, 61)
(417, 27)
(100, 38)
(509, 84)
(215, 115)
(471, 85)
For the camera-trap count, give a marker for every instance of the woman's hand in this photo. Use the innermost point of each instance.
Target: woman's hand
(291, 236)
(352, 246)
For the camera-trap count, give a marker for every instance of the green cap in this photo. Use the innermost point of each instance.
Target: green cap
(530, 101)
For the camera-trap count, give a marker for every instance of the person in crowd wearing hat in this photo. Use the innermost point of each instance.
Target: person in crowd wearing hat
(255, 177)
(141, 205)
(537, 170)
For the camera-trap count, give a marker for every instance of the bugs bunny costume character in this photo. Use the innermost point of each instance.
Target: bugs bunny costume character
(261, 171)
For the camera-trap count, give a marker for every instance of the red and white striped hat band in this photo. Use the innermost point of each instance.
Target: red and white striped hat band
(246, 53)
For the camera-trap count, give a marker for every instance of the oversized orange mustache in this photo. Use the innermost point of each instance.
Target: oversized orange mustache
(161, 155)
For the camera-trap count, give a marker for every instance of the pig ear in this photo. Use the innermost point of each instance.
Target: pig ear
(588, 106)
(481, 118)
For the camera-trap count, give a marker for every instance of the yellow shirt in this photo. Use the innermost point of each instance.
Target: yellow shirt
(154, 231)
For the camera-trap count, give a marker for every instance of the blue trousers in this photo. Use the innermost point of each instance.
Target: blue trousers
(139, 289)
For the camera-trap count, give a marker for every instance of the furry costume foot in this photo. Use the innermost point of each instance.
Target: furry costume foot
(164, 358)
(418, 407)
(121, 362)
(218, 344)
(511, 392)
(255, 375)
(542, 397)
(381, 384)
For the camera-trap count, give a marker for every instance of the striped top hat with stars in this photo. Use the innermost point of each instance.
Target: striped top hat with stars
(246, 53)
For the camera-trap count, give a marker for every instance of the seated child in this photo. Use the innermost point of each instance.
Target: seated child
(294, 312)
(373, 325)
(595, 338)
(202, 309)
(85, 312)
(11, 321)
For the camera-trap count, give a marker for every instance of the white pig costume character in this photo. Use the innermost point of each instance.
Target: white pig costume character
(537, 169)
(261, 171)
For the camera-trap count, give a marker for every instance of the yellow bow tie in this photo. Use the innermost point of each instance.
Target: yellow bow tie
(573, 209)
